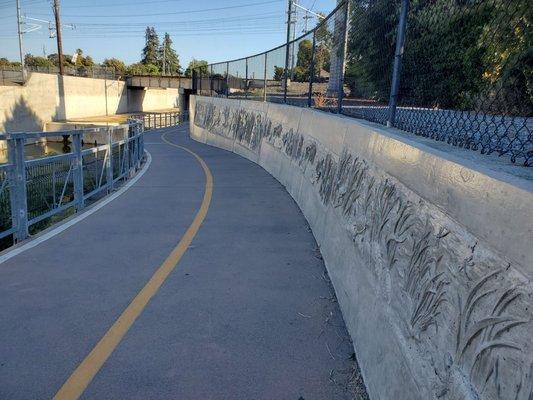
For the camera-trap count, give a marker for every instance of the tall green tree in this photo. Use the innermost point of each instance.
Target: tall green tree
(371, 43)
(303, 60)
(199, 65)
(305, 51)
(458, 54)
(169, 59)
(36, 61)
(115, 64)
(150, 54)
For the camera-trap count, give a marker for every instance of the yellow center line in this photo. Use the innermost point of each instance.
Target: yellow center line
(89, 367)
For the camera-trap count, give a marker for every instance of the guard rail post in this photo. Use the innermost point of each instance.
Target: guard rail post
(18, 192)
(109, 161)
(78, 171)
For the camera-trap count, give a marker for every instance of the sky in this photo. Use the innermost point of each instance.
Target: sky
(212, 30)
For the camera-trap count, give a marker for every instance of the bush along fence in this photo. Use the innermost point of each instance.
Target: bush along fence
(34, 193)
(453, 71)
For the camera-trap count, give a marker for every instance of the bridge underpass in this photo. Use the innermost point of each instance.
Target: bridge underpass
(246, 311)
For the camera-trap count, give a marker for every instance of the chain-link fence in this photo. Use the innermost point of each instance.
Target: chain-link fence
(451, 70)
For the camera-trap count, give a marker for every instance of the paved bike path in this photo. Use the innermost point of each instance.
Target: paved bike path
(247, 313)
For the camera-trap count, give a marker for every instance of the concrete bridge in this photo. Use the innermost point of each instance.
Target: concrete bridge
(265, 248)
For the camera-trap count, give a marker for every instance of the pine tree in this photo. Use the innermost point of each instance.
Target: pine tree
(150, 51)
(168, 58)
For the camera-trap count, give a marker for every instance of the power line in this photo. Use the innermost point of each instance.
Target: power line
(9, 4)
(128, 3)
(122, 15)
(184, 22)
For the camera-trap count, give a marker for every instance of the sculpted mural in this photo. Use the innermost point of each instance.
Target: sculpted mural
(465, 312)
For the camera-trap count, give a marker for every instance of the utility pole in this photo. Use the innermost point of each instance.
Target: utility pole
(293, 22)
(58, 36)
(287, 50)
(397, 68)
(306, 18)
(19, 27)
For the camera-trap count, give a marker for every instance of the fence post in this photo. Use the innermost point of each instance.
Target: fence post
(227, 79)
(246, 81)
(340, 92)
(211, 80)
(194, 85)
(109, 161)
(78, 171)
(19, 200)
(127, 150)
(265, 79)
(396, 72)
(287, 47)
(140, 144)
(311, 73)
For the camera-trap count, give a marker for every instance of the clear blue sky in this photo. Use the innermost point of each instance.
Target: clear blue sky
(204, 29)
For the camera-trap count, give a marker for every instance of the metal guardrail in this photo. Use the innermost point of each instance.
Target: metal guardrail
(34, 190)
(15, 74)
(159, 120)
(456, 74)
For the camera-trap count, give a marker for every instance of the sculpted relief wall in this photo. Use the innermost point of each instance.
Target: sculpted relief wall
(434, 310)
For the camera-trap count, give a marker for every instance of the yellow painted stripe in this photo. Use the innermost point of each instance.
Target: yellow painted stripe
(86, 371)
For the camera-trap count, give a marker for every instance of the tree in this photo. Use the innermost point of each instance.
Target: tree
(198, 65)
(169, 59)
(151, 69)
(151, 47)
(54, 59)
(136, 69)
(88, 61)
(83, 61)
(115, 64)
(303, 61)
(371, 44)
(301, 74)
(305, 52)
(458, 54)
(278, 73)
(4, 62)
(40, 62)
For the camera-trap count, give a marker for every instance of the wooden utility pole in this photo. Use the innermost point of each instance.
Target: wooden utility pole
(58, 36)
(21, 51)
(287, 51)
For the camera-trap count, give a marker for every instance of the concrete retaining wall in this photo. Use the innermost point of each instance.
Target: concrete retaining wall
(48, 97)
(430, 254)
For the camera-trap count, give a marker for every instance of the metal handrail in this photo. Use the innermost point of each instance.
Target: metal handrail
(156, 120)
(34, 190)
